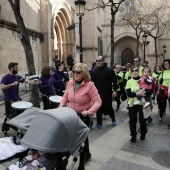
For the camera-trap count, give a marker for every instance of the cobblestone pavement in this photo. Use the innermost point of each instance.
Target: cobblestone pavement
(111, 150)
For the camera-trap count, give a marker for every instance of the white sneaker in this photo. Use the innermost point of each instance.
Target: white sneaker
(146, 104)
(137, 102)
(32, 155)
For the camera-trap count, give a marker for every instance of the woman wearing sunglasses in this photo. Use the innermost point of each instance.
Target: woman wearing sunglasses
(83, 97)
(133, 91)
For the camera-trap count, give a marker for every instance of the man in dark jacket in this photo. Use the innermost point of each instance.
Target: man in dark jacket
(105, 81)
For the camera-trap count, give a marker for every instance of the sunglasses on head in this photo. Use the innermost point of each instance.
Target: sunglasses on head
(135, 70)
(98, 60)
(76, 72)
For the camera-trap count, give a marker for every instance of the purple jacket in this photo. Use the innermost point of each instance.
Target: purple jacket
(47, 85)
(12, 93)
(59, 76)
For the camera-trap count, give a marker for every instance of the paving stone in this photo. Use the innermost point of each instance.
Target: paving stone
(162, 158)
(117, 164)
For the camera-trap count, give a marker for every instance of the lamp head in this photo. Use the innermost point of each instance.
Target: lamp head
(144, 37)
(80, 7)
(71, 27)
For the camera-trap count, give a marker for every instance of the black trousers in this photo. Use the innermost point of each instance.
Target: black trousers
(133, 112)
(105, 108)
(8, 111)
(117, 99)
(47, 104)
(86, 150)
(162, 101)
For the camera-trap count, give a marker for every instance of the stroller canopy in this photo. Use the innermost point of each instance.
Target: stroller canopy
(55, 130)
(23, 121)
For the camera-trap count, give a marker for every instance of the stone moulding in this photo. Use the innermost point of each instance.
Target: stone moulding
(13, 26)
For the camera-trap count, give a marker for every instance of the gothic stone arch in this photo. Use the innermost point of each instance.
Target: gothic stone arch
(64, 41)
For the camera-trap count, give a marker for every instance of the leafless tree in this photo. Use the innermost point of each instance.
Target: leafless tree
(114, 7)
(134, 20)
(15, 5)
(156, 22)
(150, 19)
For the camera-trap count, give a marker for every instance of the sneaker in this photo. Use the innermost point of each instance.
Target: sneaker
(5, 134)
(114, 123)
(160, 122)
(146, 104)
(133, 140)
(142, 138)
(87, 159)
(32, 155)
(137, 102)
(18, 165)
(150, 122)
(42, 162)
(97, 126)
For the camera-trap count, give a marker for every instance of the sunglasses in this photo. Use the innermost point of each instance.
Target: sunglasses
(134, 71)
(76, 72)
(135, 61)
(98, 60)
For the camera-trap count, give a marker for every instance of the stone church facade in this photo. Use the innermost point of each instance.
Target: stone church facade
(47, 20)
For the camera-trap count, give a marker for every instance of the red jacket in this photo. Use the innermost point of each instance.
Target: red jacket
(85, 98)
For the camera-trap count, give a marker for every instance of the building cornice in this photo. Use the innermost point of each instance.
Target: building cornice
(14, 27)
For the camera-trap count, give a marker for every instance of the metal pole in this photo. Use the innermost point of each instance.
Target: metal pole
(144, 52)
(112, 37)
(164, 56)
(80, 32)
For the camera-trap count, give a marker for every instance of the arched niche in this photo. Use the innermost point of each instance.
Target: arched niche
(64, 41)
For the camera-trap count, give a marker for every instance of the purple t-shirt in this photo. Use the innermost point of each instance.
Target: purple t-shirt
(12, 93)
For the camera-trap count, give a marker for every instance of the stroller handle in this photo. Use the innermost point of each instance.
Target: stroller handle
(84, 118)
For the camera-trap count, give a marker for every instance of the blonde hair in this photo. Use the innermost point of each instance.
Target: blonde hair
(128, 65)
(85, 71)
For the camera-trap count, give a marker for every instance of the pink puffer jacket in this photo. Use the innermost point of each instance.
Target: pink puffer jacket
(86, 97)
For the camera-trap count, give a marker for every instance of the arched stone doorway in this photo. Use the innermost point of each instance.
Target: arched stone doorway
(127, 56)
(64, 41)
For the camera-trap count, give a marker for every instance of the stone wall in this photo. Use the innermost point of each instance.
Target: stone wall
(11, 48)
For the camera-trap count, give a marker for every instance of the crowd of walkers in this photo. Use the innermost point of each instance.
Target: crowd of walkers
(139, 84)
(91, 92)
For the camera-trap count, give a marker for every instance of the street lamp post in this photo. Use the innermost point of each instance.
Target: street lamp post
(164, 51)
(114, 9)
(144, 38)
(80, 8)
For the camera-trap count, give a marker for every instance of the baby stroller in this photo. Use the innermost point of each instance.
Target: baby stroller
(55, 133)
